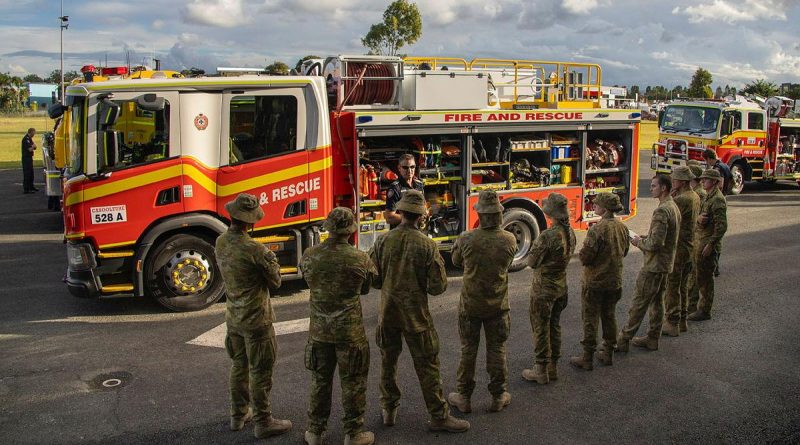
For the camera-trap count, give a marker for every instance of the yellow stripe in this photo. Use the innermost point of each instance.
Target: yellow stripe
(287, 224)
(75, 235)
(117, 288)
(271, 178)
(122, 254)
(198, 176)
(273, 239)
(286, 270)
(125, 243)
(125, 184)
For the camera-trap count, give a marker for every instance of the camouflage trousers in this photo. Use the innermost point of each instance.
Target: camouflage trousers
(496, 331)
(649, 297)
(545, 313)
(598, 308)
(424, 348)
(705, 281)
(676, 299)
(353, 362)
(253, 355)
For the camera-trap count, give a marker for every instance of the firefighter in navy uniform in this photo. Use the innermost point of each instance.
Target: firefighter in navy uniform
(28, 147)
(407, 181)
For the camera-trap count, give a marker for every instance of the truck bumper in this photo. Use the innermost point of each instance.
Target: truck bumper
(81, 277)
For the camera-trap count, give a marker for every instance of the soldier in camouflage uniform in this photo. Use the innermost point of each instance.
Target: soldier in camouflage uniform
(601, 255)
(548, 258)
(697, 188)
(409, 268)
(337, 274)
(485, 254)
(677, 295)
(659, 255)
(249, 270)
(711, 227)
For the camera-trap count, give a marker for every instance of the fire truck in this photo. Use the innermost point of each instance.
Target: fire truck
(153, 161)
(759, 141)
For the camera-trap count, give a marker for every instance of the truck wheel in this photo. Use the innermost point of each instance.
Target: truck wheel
(182, 274)
(523, 225)
(738, 179)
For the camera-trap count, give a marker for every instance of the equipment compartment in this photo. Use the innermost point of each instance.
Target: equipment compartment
(606, 167)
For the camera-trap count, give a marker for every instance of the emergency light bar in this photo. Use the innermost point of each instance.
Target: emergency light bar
(114, 71)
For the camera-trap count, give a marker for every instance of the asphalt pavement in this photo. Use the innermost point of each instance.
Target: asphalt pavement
(733, 379)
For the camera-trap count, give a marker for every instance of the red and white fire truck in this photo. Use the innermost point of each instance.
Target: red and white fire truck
(758, 141)
(153, 161)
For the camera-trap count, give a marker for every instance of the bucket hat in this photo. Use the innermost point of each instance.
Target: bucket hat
(340, 221)
(608, 201)
(245, 208)
(682, 173)
(555, 206)
(412, 202)
(488, 202)
(711, 174)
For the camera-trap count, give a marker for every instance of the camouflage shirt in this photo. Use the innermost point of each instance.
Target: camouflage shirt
(716, 207)
(337, 274)
(700, 192)
(689, 206)
(249, 271)
(485, 255)
(662, 239)
(409, 268)
(602, 252)
(549, 257)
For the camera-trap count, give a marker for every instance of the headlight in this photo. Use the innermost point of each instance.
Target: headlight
(80, 256)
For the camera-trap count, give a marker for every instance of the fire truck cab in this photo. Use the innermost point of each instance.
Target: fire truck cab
(152, 162)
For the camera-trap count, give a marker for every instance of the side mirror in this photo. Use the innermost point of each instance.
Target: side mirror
(661, 118)
(151, 102)
(107, 113)
(56, 110)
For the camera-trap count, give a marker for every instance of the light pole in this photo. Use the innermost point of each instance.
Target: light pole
(64, 25)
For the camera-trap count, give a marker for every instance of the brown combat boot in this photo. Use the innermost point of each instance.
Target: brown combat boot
(312, 439)
(683, 326)
(237, 423)
(449, 424)
(552, 371)
(582, 361)
(645, 342)
(389, 416)
(498, 403)
(670, 330)
(272, 427)
(362, 438)
(606, 355)
(699, 315)
(460, 401)
(623, 344)
(538, 374)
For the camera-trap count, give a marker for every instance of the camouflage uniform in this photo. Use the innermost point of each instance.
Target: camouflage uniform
(485, 254)
(548, 258)
(676, 301)
(337, 274)
(694, 289)
(715, 206)
(659, 256)
(601, 255)
(249, 271)
(409, 268)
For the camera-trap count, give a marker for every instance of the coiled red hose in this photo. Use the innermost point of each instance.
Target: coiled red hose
(369, 91)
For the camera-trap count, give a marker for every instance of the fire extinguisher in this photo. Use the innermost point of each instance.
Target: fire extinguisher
(372, 177)
(363, 183)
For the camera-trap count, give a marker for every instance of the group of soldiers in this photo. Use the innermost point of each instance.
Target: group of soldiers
(680, 252)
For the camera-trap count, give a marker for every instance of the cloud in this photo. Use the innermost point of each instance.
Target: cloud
(221, 13)
(739, 11)
(580, 7)
(660, 55)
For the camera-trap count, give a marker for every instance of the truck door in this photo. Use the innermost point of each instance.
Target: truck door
(264, 152)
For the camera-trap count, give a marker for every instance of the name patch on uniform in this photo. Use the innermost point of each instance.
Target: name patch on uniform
(109, 214)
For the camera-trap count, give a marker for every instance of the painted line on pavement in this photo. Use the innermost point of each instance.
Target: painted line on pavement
(215, 337)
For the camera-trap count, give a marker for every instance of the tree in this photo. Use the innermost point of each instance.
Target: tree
(793, 92)
(760, 87)
(300, 62)
(278, 68)
(719, 94)
(402, 25)
(634, 91)
(33, 78)
(701, 84)
(55, 76)
(12, 94)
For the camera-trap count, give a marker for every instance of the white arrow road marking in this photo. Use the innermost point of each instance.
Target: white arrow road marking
(215, 337)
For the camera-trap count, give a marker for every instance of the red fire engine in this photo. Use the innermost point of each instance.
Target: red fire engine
(153, 161)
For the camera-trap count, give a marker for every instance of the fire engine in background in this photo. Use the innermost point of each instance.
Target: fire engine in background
(153, 161)
(760, 141)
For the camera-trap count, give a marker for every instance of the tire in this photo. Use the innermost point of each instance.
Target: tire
(182, 274)
(523, 225)
(738, 179)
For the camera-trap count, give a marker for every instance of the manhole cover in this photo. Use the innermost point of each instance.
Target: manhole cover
(111, 381)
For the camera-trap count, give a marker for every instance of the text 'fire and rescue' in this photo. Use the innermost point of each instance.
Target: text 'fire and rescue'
(532, 116)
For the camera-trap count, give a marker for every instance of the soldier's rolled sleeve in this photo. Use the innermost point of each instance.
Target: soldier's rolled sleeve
(437, 275)
(658, 233)
(588, 252)
(455, 254)
(377, 279)
(538, 253)
(720, 221)
(272, 270)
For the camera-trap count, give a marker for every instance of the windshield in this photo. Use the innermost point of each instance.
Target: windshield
(76, 137)
(690, 119)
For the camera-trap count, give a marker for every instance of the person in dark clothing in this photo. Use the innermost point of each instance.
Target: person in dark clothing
(28, 147)
(713, 161)
(407, 181)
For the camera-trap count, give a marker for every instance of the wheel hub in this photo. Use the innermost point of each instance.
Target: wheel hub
(188, 272)
(523, 235)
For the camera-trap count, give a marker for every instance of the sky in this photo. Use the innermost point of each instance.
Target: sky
(636, 42)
